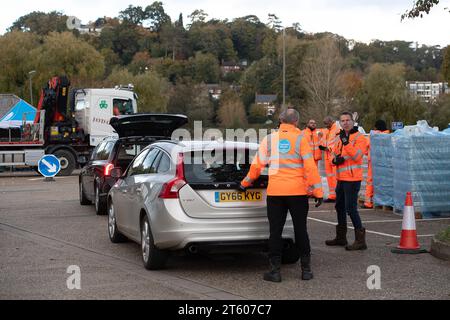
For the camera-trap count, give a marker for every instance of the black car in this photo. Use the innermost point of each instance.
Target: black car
(135, 132)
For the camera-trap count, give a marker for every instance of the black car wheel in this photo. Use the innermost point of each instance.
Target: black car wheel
(84, 201)
(100, 205)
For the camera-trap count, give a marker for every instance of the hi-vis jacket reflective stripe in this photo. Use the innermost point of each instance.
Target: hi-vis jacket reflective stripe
(290, 162)
(352, 168)
(329, 141)
(313, 140)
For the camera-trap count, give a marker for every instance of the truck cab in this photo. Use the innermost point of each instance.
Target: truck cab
(93, 108)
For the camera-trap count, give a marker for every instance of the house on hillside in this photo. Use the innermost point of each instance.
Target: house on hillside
(268, 101)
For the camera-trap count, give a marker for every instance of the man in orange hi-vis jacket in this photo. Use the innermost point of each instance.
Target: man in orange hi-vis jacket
(348, 158)
(311, 134)
(291, 172)
(380, 128)
(328, 140)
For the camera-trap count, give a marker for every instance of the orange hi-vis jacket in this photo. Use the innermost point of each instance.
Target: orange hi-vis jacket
(314, 143)
(290, 163)
(329, 140)
(353, 153)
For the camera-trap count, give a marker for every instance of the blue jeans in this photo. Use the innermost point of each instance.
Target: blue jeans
(347, 202)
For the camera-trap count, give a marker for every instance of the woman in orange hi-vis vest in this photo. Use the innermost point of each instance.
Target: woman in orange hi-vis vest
(292, 171)
(328, 140)
(348, 159)
(380, 128)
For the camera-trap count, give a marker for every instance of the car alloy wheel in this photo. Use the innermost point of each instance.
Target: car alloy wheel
(145, 241)
(97, 199)
(111, 221)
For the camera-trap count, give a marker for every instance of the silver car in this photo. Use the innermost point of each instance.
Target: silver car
(182, 196)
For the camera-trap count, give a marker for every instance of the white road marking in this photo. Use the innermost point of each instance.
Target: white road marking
(417, 220)
(368, 231)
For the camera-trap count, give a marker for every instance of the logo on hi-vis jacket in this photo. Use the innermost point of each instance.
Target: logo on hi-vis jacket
(284, 146)
(103, 104)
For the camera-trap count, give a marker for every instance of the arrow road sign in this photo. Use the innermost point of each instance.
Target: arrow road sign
(49, 166)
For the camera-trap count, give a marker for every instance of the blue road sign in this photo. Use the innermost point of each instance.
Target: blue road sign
(49, 166)
(397, 125)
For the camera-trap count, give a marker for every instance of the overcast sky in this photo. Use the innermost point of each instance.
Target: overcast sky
(361, 20)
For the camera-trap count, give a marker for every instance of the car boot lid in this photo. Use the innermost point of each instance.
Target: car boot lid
(147, 124)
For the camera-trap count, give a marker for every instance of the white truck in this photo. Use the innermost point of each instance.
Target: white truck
(69, 134)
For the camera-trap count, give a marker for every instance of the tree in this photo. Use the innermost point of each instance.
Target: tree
(439, 112)
(123, 39)
(64, 54)
(41, 23)
(16, 61)
(320, 72)
(248, 34)
(274, 23)
(193, 101)
(197, 17)
(231, 113)
(141, 62)
(151, 89)
(446, 64)
(419, 8)
(134, 15)
(384, 96)
(157, 16)
(204, 68)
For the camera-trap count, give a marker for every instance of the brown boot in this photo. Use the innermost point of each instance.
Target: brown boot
(341, 237)
(360, 241)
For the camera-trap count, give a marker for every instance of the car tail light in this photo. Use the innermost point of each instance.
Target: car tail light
(107, 170)
(170, 189)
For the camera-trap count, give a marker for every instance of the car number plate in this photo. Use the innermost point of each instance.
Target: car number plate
(235, 196)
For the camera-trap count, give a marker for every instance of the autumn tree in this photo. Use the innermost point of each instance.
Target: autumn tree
(446, 64)
(41, 23)
(204, 68)
(64, 54)
(151, 89)
(419, 8)
(384, 96)
(320, 72)
(16, 61)
(231, 113)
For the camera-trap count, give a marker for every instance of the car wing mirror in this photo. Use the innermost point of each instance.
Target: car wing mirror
(116, 173)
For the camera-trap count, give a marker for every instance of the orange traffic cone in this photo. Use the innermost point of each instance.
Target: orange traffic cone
(408, 238)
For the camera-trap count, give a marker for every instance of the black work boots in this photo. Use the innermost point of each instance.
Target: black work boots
(360, 241)
(341, 237)
(274, 274)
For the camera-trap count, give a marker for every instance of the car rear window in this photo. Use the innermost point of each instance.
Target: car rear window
(219, 166)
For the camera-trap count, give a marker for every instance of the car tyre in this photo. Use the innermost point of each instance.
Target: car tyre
(84, 201)
(114, 235)
(153, 258)
(100, 204)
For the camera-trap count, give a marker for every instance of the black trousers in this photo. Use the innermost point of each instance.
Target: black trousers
(277, 209)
